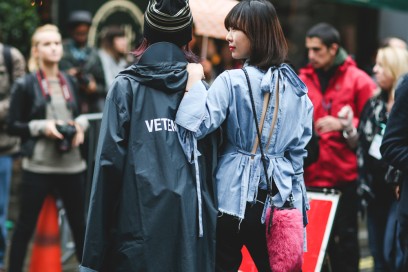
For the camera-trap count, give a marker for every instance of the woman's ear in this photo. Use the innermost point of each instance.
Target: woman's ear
(34, 52)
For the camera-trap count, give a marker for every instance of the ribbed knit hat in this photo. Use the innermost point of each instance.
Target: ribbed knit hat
(168, 20)
(80, 17)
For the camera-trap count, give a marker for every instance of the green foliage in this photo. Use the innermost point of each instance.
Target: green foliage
(18, 20)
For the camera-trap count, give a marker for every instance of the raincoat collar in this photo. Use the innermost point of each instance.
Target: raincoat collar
(162, 52)
(162, 67)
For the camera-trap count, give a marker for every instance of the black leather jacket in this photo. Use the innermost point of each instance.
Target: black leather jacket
(28, 103)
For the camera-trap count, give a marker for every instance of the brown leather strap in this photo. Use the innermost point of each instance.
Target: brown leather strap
(264, 109)
(274, 118)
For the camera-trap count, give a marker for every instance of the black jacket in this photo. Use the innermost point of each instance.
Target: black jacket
(28, 103)
(394, 147)
(143, 207)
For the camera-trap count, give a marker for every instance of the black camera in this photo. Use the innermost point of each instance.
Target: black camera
(83, 79)
(68, 131)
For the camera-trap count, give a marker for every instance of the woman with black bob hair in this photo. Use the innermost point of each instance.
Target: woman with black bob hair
(255, 37)
(260, 23)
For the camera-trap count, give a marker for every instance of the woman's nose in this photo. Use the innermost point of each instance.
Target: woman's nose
(228, 37)
(375, 68)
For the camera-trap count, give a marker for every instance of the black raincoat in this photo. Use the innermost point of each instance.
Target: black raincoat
(143, 213)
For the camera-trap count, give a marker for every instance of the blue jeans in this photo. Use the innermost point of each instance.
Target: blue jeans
(6, 164)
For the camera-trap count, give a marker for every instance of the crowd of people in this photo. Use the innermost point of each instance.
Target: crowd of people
(182, 163)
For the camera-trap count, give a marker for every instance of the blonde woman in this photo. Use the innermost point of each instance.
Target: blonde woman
(376, 195)
(43, 112)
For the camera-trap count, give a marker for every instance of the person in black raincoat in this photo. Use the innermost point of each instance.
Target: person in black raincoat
(149, 211)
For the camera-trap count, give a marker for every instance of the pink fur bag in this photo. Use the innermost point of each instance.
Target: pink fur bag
(284, 239)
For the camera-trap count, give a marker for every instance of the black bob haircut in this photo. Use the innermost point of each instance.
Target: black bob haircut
(325, 32)
(259, 21)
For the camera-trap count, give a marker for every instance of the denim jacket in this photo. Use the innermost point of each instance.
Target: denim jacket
(227, 104)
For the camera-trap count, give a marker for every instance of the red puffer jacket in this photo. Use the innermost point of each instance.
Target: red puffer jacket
(349, 86)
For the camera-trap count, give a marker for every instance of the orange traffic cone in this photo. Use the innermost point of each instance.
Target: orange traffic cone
(46, 251)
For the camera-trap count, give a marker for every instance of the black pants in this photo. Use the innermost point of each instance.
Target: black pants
(403, 221)
(343, 248)
(232, 236)
(35, 187)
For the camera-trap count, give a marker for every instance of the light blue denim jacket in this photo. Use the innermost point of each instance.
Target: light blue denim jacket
(227, 104)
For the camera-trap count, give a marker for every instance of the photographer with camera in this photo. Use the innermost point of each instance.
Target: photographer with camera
(76, 55)
(44, 112)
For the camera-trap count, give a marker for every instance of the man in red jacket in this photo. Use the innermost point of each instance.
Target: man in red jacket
(334, 81)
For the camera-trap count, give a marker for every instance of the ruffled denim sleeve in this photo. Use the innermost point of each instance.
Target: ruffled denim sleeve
(190, 115)
(203, 111)
(192, 109)
(200, 113)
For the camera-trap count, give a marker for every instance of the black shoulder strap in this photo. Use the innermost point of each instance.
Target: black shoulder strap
(264, 160)
(8, 61)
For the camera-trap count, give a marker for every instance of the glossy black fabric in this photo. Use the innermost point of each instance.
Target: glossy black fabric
(394, 149)
(143, 207)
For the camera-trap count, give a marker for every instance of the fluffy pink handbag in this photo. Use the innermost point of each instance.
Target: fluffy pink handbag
(284, 239)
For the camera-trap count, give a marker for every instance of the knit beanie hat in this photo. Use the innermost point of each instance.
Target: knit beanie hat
(168, 20)
(80, 17)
